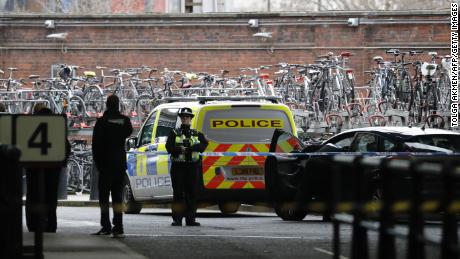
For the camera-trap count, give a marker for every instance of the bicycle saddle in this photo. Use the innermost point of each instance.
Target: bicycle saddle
(415, 52)
(393, 51)
(191, 76)
(89, 73)
(186, 86)
(377, 58)
(346, 54)
(428, 68)
(115, 71)
(34, 76)
(264, 76)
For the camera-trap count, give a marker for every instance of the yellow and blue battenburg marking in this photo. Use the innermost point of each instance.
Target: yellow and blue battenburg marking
(148, 160)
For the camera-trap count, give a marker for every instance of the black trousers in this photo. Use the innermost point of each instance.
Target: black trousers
(111, 183)
(183, 178)
(48, 205)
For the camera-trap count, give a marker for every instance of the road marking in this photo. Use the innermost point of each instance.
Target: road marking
(228, 236)
(77, 223)
(328, 252)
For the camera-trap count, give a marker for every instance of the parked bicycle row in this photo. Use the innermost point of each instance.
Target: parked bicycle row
(323, 94)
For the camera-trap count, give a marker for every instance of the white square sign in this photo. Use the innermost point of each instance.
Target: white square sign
(41, 138)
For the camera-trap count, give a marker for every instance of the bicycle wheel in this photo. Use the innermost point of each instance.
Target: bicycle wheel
(86, 181)
(319, 94)
(145, 104)
(404, 89)
(94, 100)
(73, 171)
(432, 97)
(444, 87)
(348, 89)
(416, 105)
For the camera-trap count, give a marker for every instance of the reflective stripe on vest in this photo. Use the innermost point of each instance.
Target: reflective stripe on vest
(180, 142)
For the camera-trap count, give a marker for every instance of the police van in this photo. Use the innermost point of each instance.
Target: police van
(231, 124)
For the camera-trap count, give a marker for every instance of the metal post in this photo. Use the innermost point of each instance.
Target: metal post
(449, 222)
(386, 246)
(416, 247)
(62, 186)
(359, 248)
(336, 239)
(38, 244)
(94, 191)
(335, 178)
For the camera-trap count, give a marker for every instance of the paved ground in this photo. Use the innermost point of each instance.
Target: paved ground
(254, 232)
(243, 235)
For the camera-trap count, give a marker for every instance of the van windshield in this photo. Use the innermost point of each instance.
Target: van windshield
(244, 124)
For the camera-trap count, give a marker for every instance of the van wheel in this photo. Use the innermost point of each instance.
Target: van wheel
(229, 207)
(130, 206)
(289, 212)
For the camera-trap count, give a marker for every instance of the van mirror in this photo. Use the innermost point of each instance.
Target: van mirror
(131, 143)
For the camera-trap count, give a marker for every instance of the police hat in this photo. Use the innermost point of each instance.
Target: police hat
(186, 112)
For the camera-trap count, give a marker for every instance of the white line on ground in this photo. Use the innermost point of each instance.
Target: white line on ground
(77, 223)
(328, 252)
(227, 236)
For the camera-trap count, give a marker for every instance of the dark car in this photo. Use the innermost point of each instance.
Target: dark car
(293, 180)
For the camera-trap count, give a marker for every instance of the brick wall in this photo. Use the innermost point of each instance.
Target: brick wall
(214, 42)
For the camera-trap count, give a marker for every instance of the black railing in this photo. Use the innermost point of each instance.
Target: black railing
(412, 188)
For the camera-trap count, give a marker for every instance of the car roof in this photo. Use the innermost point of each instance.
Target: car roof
(195, 104)
(404, 131)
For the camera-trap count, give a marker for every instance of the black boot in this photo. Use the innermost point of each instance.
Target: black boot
(192, 223)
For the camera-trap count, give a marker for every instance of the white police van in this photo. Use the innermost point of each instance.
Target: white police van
(231, 124)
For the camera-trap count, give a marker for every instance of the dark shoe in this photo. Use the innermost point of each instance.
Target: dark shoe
(193, 224)
(176, 224)
(118, 234)
(102, 232)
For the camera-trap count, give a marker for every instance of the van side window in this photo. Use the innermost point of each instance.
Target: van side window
(166, 122)
(146, 135)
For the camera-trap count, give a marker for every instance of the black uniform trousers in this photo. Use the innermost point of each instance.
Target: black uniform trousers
(111, 183)
(49, 205)
(184, 177)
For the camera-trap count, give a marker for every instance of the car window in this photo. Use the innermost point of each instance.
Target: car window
(146, 135)
(388, 146)
(244, 124)
(343, 143)
(450, 142)
(366, 142)
(166, 122)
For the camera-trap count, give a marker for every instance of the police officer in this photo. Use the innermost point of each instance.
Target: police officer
(109, 155)
(184, 145)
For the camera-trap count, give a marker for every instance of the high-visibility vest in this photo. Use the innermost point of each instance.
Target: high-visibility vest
(180, 142)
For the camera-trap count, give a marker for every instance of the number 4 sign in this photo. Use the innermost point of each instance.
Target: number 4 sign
(41, 139)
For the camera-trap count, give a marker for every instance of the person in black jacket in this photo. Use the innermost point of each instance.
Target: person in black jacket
(51, 181)
(109, 155)
(184, 145)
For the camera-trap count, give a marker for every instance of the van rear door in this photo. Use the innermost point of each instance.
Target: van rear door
(240, 128)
